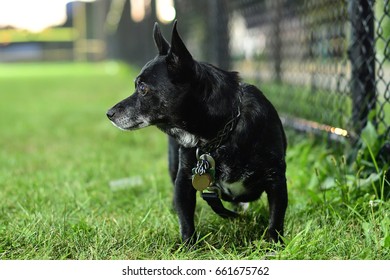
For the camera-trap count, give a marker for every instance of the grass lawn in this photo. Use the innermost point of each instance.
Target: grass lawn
(72, 186)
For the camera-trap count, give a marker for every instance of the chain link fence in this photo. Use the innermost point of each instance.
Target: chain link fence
(325, 64)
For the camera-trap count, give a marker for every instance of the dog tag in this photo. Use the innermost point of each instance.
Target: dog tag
(211, 169)
(201, 182)
(204, 174)
(208, 158)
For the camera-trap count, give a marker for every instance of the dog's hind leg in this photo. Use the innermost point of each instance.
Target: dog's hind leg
(277, 200)
(173, 158)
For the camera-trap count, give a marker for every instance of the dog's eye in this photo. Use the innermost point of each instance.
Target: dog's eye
(142, 88)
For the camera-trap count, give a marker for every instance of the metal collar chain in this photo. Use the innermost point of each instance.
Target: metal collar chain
(203, 175)
(224, 133)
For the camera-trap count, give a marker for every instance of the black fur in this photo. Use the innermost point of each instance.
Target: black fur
(191, 101)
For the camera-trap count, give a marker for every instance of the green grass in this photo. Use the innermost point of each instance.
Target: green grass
(321, 105)
(331, 108)
(62, 194)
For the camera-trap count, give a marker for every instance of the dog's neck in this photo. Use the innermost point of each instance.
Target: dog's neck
(200, 138)
(209, 117)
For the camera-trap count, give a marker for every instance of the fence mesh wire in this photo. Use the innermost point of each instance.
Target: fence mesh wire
(325, 64)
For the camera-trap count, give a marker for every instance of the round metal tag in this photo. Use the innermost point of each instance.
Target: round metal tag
(208, 158)
(201, 182)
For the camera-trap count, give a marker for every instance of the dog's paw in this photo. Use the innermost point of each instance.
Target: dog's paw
(188, 244)
(274, 236)
(189, 240)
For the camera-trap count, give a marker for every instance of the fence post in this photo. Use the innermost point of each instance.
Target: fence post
(80, 24)
(277, 43)
(362, 57)
(219, 37)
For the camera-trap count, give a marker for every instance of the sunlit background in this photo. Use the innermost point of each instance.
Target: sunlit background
(80, 30)
(33, 16)
(37, 15)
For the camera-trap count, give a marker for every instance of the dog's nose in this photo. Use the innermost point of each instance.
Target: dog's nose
(110, 113)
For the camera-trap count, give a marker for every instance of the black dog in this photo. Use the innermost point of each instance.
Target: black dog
(226, 139)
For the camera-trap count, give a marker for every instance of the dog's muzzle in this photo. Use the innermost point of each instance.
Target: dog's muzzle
(123, 121)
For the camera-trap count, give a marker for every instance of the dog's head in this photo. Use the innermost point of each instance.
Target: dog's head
(159, 88)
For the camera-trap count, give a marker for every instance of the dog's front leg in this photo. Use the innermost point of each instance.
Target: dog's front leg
(277, 199)
(185, 195)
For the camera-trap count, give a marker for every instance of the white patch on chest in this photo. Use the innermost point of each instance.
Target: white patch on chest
(184, 138)
(233, 189)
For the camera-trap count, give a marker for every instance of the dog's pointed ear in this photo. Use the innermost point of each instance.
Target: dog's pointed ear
(178, 53)
(161, 43)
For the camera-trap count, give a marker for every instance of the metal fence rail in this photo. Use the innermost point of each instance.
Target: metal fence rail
(325, 64)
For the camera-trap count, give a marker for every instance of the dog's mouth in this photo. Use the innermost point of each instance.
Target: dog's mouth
(130, 125)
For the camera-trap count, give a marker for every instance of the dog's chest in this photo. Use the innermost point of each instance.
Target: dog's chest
(231, 180)
(183, 137)
(233, 190)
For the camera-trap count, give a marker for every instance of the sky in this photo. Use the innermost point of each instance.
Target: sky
(33, 15)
